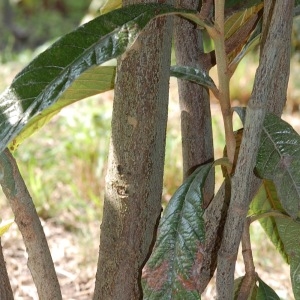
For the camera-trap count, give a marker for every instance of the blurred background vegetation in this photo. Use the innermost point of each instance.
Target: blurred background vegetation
(64, 164)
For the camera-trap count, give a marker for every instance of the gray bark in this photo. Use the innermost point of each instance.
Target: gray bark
(39, 262)
(275, 57)
(5, 287)
(196, 128)
(132, 202)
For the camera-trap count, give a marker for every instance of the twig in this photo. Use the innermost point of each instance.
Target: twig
(39, 262)
(217, 34)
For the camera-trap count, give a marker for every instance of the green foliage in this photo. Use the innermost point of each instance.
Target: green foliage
(194, 75)
(171, 272)
(33, 90)
(278, 160)
(72, 69)
(266, 201)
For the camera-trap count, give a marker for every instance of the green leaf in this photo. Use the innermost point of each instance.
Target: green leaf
(193, 74)
(289, 233)
(266, 200)
(4, 226)
(96, 80)
(278, 159)
(172, 270)
(46, 78)
(264, 292)
(251, 286)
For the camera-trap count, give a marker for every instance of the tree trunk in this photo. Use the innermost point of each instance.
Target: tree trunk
(196, 129)
(134, 180)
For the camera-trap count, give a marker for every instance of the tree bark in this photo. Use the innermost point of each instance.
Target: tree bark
(39, 262)
(134, 180)
(271, 79)
(5, 287)
(196, 128)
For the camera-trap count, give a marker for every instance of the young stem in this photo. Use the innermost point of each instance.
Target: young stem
(250, 276)
(246, 249)
(223, 76)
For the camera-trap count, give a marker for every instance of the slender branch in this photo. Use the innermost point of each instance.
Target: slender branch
(39, 262)
(246, 249)
(222, 63)
(275, 58)
(5, 287)
(250, 276)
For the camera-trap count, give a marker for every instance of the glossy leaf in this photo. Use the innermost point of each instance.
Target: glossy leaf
(193, 74)
(278, 160)
(172, 270)
(289, 233)
(94, 81)
(264, 292)
(265, 201)
(47, 77)
(4, 226)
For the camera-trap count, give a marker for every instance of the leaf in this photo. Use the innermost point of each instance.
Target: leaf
(264, 201)
(4, 226)
(110, 5)
(245, 288)
(172, 270)
(252, 42)
(236, 21)
(264, 292)
(289, 233)
(278, 159)
(43, 81)
(193, 74)
(96, 80)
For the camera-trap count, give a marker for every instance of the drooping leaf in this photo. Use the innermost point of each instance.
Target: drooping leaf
(264, 292)
(4, 226)
(171, 272)
(264, 201)
(44, 80)
(96, 80)
(289, 233)
(278, 160)
(252, 42)
(193, 74)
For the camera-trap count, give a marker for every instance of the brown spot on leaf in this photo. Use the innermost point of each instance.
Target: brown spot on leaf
(155, 278)
(285, 162)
